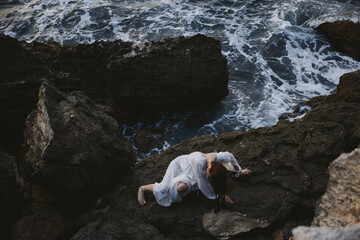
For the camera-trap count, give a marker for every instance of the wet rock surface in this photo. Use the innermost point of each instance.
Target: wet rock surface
(344, 36)
(290, 172)
(72, 151)
(176, 73)
(9, 2)
(148, 139)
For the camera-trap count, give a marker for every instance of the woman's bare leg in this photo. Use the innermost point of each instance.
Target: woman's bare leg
(141, 192)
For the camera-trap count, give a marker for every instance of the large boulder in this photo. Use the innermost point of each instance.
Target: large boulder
(72, 149)
(21, 70)
(183, 72)
(290, 172)
(337, 211)
(340, 205)
(11, 195)
(176, 73)
(343, 36)
(327, 233)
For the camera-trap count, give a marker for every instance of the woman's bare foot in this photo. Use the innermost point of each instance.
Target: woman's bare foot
(141, 196)
(228, 200)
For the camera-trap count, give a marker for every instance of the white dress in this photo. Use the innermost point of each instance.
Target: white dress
(189, 169)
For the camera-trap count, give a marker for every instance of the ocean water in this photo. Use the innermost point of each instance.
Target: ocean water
(275, 57)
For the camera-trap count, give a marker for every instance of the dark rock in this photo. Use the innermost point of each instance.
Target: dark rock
(176, 73)
(41, 222)
(343, 35)
(9, 2)
(21, 70)
(289, 226)
(11, 195)
(147, 139)
(183, 72)
(349, 87)
(111, 229)
(72, 149)
(290, 172)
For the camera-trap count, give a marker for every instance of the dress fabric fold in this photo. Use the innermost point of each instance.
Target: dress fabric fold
(189, 169)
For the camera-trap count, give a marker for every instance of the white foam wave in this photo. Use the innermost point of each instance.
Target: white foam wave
(351, 16)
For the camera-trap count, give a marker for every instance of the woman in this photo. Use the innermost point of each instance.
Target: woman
(186, 173)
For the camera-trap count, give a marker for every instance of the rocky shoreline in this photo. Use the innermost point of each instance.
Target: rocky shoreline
(77, 174)
(123, 77)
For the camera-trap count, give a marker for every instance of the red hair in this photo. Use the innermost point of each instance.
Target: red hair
(217, 178)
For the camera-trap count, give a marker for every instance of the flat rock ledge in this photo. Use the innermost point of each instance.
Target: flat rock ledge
(226, 223)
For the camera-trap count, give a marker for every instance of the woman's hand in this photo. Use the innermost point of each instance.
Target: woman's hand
(244, 172)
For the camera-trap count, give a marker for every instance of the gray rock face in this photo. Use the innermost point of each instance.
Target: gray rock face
(228, 223)
(72, 150)
(340, 205)
(327, 233)
(338, 210)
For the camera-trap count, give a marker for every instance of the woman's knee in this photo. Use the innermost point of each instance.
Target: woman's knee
(181, 187)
